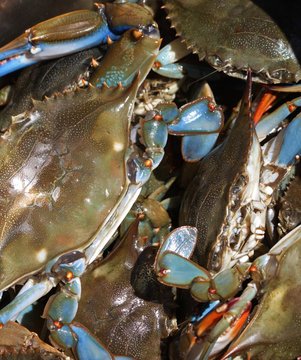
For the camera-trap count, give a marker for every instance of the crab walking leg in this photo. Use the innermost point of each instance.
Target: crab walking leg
(227, 320)
(62, 308)
(273, 120)
(25, 299)
(70, 33)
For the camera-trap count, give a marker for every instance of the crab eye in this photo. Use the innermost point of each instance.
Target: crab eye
(137, 34)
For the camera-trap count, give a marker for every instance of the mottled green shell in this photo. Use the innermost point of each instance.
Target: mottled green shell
(274, 331)
(62, 171)
(239, 34)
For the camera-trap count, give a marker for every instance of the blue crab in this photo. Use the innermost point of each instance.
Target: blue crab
(12, 54)
(52, 146)
(272, 332)
(224, 213)
(235, 36)
(48, 152)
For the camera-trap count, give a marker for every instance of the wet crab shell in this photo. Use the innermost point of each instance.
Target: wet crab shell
(16, 342)
(273, 332)
(63, 173)
(239, 34)
(66, 182)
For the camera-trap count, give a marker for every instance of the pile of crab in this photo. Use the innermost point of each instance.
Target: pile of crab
(134, 249)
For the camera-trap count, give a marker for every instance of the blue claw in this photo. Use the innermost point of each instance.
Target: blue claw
(291, 145)
(201, 116)
(177, 271)
(70, 33)
(172, 71)
(273, 120)
(194, 148)
(181, 241)
(165, 63)
(59, 36)
(200, 122)
(87, 347)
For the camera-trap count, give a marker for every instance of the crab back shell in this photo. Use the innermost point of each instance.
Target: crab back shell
(235, 35)
(63, 171)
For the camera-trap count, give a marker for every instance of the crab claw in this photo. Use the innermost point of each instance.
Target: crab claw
(291, 144)
(273, 120)
(59, 36)
(88, 347)
(198, 332)
(274, 331)
(198, 122)
(72, 32)
(172, 265)
(281, 153)
(174, 268)
(165, 63)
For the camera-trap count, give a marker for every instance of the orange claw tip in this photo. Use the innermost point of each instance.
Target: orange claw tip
(211, 106)
(163, 272)
(1, 325)
(109, 40)
(291, 107)
(264, 105)
(211, 319)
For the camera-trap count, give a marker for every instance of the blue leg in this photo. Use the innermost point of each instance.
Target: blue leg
(62, 308)
(25, 299)
(273, 120)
